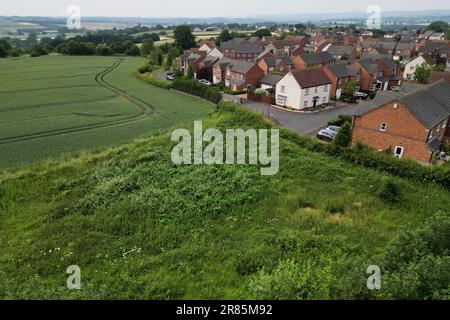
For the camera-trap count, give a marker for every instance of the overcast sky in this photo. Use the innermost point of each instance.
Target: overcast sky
(206, 8)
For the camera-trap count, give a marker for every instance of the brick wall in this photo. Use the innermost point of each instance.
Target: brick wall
(403, 130)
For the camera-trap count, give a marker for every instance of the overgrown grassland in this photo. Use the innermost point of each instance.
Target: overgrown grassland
(54, 105)
(141, 227)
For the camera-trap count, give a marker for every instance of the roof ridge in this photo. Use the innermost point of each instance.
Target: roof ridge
(423, 88)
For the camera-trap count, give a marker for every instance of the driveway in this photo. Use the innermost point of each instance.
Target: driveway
(302, 123)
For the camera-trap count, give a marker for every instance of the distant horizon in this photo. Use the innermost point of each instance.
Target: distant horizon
(214, 9)
(437, 10)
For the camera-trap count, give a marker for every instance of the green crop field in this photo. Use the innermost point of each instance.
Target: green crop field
(54, 105)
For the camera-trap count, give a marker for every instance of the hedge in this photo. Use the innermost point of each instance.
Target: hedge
(361, 155)
(198, 89)
(154, 81)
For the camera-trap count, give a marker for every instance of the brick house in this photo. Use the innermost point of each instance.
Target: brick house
(297, 50)
(341, 52)
(313, 60)
(340, 74)
(372, 75)
(390, 71)
(241, 50)
(281, 64)
(205, 68)
(192, 58)
(303, 89)
(235, 74)
(406, 124)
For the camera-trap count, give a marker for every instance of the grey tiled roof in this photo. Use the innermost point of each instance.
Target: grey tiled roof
(235, 65)
(273, 61)
(389, 63)
(241, 66)
(429, 104)
(317, 58)
(369, 65)
(341, 70)
(271, 79)
(340, 50)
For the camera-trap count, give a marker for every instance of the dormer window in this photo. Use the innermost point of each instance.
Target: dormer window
(383, 127)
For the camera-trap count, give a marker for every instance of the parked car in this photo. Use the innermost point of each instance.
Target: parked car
(334, 128)
(361, 95)
(170, 77)
(204, 81)
(327, 135)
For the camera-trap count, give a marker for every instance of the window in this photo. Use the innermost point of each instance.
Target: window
(306, 91)
(383, 127)
(281, 100)
(315, 89)
(324, 99)
(283, 89)
(325, 89)
(398, 151)
(305, 104)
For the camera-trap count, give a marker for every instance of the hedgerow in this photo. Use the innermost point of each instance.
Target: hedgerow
(198, 89)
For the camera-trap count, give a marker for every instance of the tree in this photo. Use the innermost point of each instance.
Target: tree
(134, 51)
(422, 73)
(172, 55)
(349, 88)
(184, 37)
(344, 137)
(104, 50)
(225, 36)
(156, 56)
(5, 47)
(190, 73)
(3, 52)
(38, 50)
(73, 48)
(147, 47)
(262, 33)
(438, 26)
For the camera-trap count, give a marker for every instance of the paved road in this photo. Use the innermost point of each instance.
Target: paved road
(302, 123)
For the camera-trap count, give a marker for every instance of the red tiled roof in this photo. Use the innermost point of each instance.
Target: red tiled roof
(311, 77)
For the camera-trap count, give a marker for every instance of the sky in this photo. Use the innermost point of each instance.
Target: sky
(205, 8)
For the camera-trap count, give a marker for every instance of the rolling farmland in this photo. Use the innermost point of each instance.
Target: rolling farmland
(56, 104)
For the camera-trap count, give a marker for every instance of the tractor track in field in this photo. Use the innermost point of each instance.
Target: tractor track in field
(145, 111)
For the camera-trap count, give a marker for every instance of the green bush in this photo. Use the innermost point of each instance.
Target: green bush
(334, 208)
(417, 263)
(147, 68)
(341, 120)
(154, 81)
(390, 193)
(198, 89)
(344, 137)
(362, 155)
